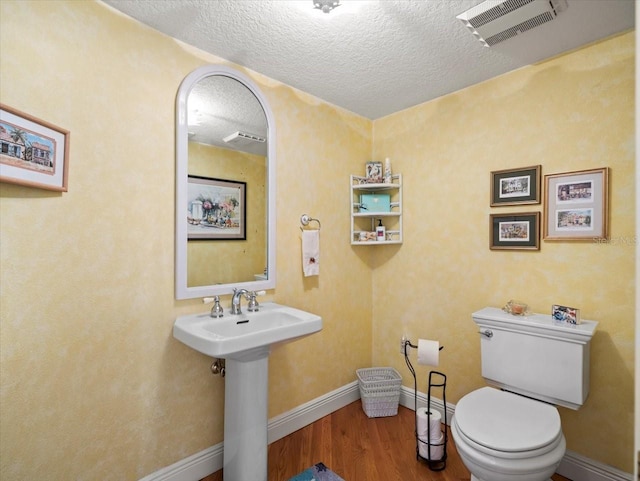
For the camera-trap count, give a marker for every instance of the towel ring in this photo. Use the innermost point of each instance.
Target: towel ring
(305, 219)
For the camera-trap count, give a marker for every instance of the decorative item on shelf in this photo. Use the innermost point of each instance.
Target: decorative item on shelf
(371, 203)
(569, 315)
(380, 231)
(374, 172)
(387, 170)
(517, 308)
(367, 236)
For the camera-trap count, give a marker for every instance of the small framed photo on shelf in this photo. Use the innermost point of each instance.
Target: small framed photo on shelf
(515, 186)
(374, 173)
(576, 205)
(515, 231)
(570, 315)
(34, 152)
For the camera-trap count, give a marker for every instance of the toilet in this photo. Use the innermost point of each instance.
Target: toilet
(511, 430)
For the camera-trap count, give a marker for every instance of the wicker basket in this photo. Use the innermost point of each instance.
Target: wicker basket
(379, 391)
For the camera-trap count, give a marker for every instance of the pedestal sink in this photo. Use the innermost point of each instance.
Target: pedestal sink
(244, 341)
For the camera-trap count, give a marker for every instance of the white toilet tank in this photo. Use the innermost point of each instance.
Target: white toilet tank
(535, 355)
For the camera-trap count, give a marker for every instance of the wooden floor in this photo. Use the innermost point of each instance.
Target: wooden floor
(359, 448)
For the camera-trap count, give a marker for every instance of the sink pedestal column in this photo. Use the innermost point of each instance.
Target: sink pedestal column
(245, 416)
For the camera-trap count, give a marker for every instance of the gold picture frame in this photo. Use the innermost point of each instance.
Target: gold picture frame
(576, 205)
(516, 231)
(515, 186)
(33, 152)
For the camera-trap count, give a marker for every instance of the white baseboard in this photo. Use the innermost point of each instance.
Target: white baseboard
(573, 466)
(210, 460)
(580, 468)
(193, 468)
(289, 422)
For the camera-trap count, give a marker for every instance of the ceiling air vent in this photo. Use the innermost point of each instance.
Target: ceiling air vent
(243, 138)
(494, 21)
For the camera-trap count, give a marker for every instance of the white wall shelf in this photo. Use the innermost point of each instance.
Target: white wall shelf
(364, 221)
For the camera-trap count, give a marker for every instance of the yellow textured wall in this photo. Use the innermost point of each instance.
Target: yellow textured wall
(207, 265)
(574, 112)
(93, 384)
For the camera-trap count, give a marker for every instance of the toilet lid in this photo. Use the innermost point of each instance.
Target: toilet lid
(504, 421)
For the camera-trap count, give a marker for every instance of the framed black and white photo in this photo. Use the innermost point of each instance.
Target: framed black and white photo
(515, 186)
(515, 231)
(576, 205)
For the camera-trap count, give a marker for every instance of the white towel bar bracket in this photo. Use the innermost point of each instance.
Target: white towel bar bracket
(305, 219)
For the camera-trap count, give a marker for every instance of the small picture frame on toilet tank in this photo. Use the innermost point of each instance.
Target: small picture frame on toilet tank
(570, 315)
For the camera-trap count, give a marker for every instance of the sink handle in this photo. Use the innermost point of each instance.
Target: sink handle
(253, 305)
(216, 310)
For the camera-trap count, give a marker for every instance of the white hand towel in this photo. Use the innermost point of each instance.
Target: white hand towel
(311, 252)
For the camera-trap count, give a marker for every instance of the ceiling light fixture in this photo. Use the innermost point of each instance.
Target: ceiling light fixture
(326, 5)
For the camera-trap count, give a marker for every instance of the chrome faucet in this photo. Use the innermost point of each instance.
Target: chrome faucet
(235, 301)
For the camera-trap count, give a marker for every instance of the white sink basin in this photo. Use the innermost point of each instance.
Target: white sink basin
(233, 335)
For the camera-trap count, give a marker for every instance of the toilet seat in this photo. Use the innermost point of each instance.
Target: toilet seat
(507, 425)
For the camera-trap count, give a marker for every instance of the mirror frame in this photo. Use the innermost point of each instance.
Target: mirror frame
(182, 290)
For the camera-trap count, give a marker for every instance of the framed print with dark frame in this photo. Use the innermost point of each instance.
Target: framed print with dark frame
(216, 209)
(515, 231)
(515, 186)
(576, 205)
(33, 152)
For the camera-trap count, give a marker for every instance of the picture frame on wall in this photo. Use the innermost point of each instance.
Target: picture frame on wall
(516, 186)
(576, 205)
(33, 152)
(216, 209)
(515, 231)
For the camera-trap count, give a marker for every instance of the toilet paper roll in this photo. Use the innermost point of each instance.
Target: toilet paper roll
(428, 352)
(432, 451)
(428, 427)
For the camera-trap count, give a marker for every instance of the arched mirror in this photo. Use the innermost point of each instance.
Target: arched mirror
(225, 185)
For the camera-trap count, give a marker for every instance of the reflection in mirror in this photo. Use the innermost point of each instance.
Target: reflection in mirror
(225, 185)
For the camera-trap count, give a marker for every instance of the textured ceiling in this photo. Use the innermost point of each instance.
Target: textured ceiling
(371, 57)
(219, 106)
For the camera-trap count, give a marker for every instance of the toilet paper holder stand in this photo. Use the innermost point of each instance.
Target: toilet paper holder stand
(440, 382)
